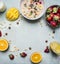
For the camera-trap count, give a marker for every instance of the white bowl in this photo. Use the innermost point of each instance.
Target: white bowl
(43, 11)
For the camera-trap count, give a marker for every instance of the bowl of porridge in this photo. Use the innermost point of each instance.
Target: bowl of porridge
(32, 9)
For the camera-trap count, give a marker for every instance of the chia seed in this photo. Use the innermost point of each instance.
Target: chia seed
(17, 23)
(46, 41)
(6, 34)
(30, 48)
(9, 27)
(54, 31)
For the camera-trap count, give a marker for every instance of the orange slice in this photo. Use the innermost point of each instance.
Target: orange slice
(36, 57)
(3, 44)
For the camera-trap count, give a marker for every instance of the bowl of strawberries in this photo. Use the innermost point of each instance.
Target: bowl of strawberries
(53, 16)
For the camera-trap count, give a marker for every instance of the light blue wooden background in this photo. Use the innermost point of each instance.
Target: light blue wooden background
(29, 35)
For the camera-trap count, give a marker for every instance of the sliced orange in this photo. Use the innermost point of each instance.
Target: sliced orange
(3, 44)
(36, 57)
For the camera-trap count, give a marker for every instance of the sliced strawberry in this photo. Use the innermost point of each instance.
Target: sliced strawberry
(53, 23)
(52, 14)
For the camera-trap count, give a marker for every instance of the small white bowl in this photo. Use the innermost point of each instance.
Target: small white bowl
(2, 6)
(43, 11)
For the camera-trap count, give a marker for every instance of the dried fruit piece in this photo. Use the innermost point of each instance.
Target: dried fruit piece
(40, 2)
(46, 50)
(11, 56)
(23, 54)
(0, 33)
(36, 0)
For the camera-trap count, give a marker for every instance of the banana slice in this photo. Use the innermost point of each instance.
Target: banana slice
(55, 47)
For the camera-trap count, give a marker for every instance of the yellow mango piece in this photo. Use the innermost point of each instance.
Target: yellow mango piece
(12, 14)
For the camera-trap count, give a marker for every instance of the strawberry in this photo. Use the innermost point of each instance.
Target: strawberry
(55, 9)
(59, 10)
(49, 10)
(49, 18)
(59, 21)
(53, 23)
(56, 18)
(52, 15)
(58, 14)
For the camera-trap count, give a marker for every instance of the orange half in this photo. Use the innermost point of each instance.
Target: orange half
(36, 57)
(3, 44)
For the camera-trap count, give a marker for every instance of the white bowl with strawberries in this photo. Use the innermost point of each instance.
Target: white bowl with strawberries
(53, 16)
